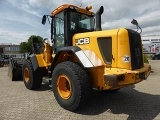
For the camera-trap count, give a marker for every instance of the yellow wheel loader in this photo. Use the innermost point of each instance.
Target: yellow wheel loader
(83, 57)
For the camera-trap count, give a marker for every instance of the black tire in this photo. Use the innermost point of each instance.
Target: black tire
(79, 85)
(1, 64)
(16, 75)
(112, 91)
(32, 79)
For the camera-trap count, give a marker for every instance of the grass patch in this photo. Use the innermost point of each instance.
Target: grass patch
(145, 58)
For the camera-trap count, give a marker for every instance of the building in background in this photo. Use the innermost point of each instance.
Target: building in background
(151, 44)
(10, 50)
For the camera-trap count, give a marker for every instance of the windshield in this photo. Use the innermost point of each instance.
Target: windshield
(81, 22)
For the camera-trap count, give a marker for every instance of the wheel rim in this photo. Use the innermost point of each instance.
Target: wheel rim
(64, 86)
(26, 74)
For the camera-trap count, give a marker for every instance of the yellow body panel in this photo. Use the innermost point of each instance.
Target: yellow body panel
(40, 60)
(123, 49)
(130, 75)
(120, 49)
(45, 58)
(97, 75)
(93, 45)
(47, 53)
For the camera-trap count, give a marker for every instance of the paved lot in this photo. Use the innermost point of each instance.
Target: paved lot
(138, 102)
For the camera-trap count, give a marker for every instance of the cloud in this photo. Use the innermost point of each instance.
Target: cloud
(7, 36)
(150, 19)
(40, 3)
(24, 6)
(23, 17)
(149, 30)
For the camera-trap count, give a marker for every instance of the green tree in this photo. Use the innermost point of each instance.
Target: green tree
(27, 46)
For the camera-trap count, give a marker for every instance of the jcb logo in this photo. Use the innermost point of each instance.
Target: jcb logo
(82, 41)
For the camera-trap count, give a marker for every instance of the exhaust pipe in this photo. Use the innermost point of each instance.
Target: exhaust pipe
(98, 18)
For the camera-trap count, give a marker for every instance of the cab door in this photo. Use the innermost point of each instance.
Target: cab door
(59, 31)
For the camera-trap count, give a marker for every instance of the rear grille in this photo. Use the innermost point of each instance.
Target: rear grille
(105, 46)
(135, 49)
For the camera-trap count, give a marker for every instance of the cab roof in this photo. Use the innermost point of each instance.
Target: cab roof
(65, 6)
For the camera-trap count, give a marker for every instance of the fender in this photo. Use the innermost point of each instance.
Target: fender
(87, 57)
(37, 61)
(34, 61)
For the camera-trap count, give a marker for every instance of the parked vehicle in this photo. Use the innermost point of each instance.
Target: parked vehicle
(155, 56)
(1, 62)
(4, 60)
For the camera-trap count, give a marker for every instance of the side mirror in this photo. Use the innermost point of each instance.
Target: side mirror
(134, 22)
(44, 20)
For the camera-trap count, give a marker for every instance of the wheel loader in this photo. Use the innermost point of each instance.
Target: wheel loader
(83, 57)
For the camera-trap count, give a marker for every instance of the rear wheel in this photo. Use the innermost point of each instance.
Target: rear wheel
(32, 79)
(71, 85)
(112, 91)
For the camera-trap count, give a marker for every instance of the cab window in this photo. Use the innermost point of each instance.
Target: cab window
(59, 30)
(81, 22)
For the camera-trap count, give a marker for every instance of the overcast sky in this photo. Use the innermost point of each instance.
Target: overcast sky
(19, 19)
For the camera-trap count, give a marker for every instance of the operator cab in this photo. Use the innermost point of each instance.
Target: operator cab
(67, 20)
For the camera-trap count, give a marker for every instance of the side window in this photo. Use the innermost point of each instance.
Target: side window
(59, 30)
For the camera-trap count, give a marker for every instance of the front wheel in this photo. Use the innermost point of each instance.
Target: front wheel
(32, 79)
(71, 85)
